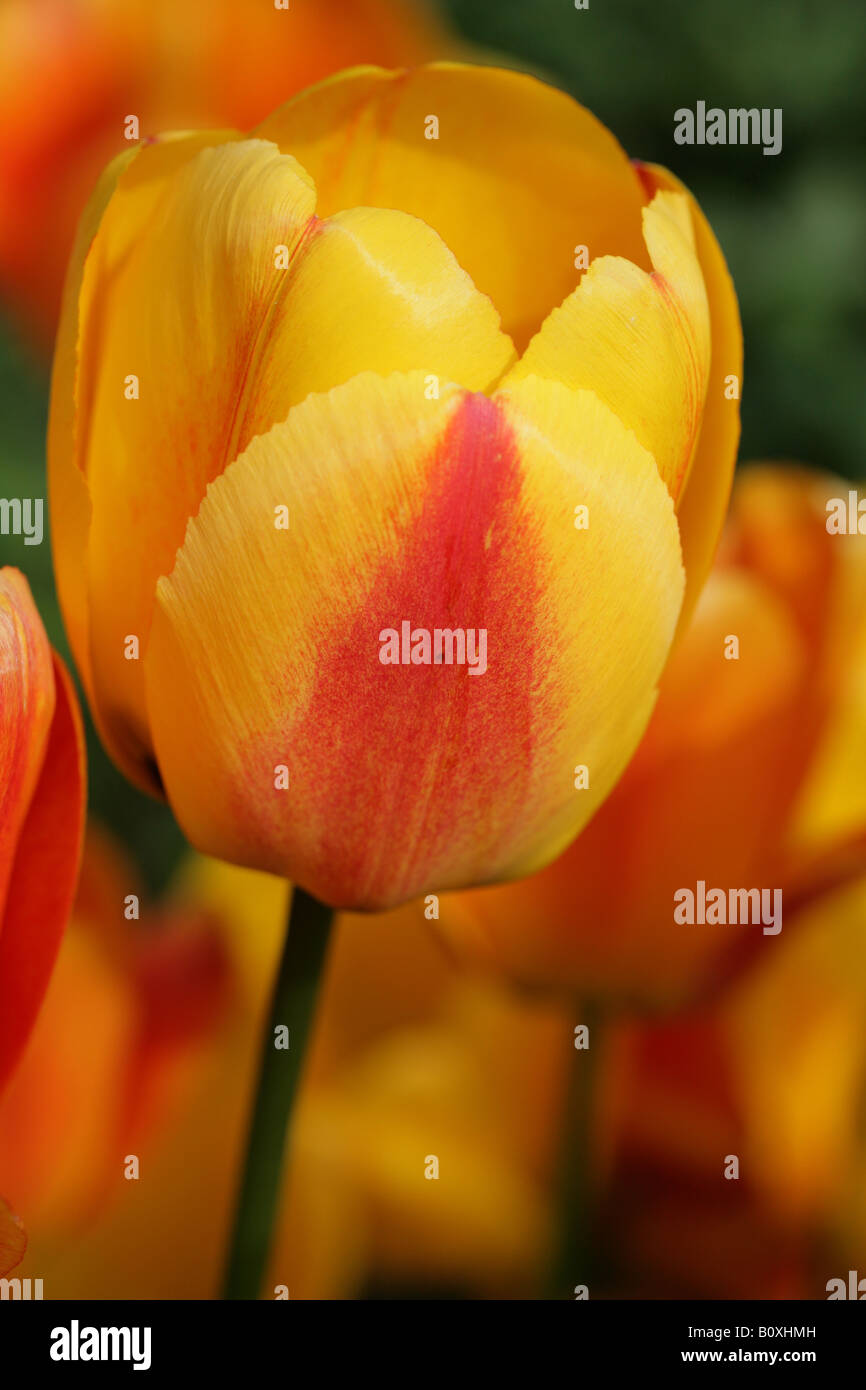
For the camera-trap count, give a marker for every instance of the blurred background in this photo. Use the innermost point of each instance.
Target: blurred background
(792, 226)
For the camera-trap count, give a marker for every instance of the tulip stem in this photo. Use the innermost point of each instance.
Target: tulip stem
(280, 1068)
(571, 1264)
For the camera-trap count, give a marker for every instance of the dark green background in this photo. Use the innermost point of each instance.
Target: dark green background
(793, 228)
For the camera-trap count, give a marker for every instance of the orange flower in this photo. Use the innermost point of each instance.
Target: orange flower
(713, 791)
(408, 1058)
(773, 1076)
(381, 413)
(129, 1008)
(73, 71)
(41, 812)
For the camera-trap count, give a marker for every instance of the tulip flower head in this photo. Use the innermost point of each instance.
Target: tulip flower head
(337, 402)
(41, 811)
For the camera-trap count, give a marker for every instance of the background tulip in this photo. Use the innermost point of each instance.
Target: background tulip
(109, 1065)
(408, 1056)
(412, 1056)
(748, 773)
(41, 811)
(73, 71)
(774, 1074)
(304, 376)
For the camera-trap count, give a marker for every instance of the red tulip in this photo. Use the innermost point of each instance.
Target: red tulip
(42, 783)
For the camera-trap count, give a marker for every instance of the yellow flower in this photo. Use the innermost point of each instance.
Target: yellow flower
(371, 511)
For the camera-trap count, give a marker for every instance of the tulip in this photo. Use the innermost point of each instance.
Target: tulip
(726, 772)
(72, 72)
(326, 393)
(41, 812)
(408, 1057)
(773, 1074)
(136, 1004)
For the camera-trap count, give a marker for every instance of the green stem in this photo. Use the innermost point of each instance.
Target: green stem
(293, 1005)
(571, 1263)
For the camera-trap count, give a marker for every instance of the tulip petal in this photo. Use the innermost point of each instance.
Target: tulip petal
(26, 710)
(640, 341)
(369, 288)
(69, 497)
(42, 882)
(704, 500)
(458, 513)
(70, 1089)
(13, 1239)
(72, 380)
(703, 798)
(518, 175)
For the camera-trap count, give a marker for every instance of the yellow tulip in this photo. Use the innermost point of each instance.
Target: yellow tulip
(338, 424)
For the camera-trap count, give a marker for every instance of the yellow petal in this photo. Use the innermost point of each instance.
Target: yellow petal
(704, 500)
(147, 460)
(640, 341)
(612, 592)
(459, 513)
(380, 291)
(259, 304)
(69, 497)
(519, 175)
(139, 175)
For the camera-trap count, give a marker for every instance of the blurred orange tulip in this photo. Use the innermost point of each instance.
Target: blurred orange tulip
(414, 1060)
(772, 1077)
(713, 791)
(73, 71)
(409, 1059)
(258, 487)
(128, 1009)
(42, 780)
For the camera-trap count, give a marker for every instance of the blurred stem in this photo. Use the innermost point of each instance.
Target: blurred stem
(572, 1256)
(293, 1005)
